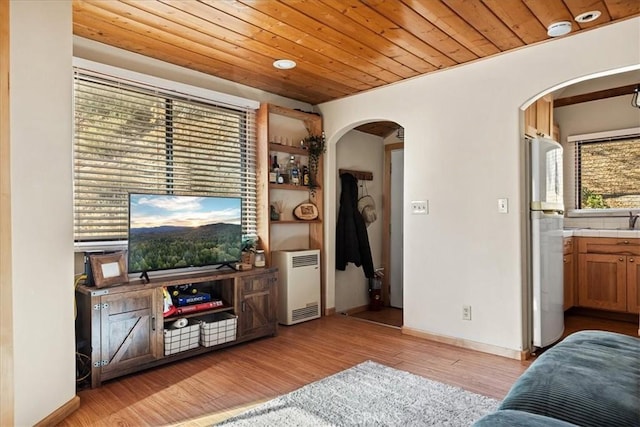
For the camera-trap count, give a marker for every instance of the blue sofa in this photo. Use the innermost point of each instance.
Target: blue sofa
(589, 379)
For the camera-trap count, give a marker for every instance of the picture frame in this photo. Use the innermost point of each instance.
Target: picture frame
(109, 269)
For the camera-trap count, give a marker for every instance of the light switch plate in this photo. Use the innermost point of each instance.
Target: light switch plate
(420, 207)
(503, 205)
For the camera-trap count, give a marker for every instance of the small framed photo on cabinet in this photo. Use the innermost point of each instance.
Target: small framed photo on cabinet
(109, 269)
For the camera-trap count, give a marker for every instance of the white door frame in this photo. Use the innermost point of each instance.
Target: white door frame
(386, 219)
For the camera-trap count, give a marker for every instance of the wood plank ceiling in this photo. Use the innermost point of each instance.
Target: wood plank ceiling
(342, 47)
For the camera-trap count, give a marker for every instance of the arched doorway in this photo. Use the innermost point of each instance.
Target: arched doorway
(588, 106)
(366, 148)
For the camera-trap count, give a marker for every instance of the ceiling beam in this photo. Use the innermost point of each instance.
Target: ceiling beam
(593, 96)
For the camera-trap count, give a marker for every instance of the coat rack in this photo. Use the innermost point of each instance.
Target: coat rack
(360, 175)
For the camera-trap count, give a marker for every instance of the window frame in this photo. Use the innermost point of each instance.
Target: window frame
(573, 140)
(179, 89)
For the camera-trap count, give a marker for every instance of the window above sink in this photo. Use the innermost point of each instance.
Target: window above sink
(607, 175)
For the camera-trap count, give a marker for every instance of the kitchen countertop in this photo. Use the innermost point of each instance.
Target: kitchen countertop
(592, 232)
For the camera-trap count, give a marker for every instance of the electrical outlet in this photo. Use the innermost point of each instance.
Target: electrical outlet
(466, 312)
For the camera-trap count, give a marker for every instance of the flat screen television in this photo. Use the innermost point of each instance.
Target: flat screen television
(168, 232)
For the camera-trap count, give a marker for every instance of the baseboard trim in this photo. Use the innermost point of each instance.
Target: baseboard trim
(355, 310)
(468, 344)
(57, 416)
(329, 311)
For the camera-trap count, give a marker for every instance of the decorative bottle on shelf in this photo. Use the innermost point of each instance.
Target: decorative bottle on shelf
(294, 172)
(275, 171)
(305, 176)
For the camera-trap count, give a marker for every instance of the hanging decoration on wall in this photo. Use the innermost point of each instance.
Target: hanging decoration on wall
(367, 206)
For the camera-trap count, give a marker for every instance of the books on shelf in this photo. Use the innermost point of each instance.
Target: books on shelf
(199, 307)
(183, 300)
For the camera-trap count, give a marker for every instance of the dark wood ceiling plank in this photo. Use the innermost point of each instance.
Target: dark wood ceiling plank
(594, 96)
(450, 23)
(576, 7)
(485, 22)
(190, 41)
(147, 45)
(276, 28)
(329, 39)
(368, 34)
(517, 16)
(413, 23)
(222, 25)
(382, 129)
(619, 9)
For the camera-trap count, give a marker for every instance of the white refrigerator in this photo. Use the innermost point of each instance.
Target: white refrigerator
(546, 237)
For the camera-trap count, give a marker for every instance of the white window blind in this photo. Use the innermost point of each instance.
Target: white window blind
(132, 137)
(608, 173)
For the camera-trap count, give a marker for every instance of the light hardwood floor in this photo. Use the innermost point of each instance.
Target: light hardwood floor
(213, 386)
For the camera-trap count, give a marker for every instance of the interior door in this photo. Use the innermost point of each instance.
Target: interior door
(396, 240)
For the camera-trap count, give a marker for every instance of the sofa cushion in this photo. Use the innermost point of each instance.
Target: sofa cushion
(509, 418)
(591, 378)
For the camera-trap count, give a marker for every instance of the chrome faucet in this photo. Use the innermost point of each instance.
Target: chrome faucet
(632, 220)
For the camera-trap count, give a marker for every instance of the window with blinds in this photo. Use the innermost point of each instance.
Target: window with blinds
(131, 137)
(608, 173)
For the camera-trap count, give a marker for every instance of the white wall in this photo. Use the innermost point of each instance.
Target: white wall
(359, 151)
(462, 153)
(41, 201)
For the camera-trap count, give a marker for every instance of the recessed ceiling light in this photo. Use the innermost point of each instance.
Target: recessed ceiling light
(588, 16)
(284, 64)
(558, 29)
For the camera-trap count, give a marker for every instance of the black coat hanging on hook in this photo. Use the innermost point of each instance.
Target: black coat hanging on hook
(352, 240)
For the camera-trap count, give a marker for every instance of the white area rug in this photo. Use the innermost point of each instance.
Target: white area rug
(370, 394)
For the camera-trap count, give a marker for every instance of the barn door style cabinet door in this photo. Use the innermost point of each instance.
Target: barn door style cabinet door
(258, 297)
(130, 332)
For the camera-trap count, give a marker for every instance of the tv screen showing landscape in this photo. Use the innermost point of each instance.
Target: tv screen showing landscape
(172, 232)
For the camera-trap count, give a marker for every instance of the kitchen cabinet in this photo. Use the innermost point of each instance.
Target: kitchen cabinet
(608, 274)
(633, 284)
(568, 259)
(538, 119)
(280, 131)
(122, 328)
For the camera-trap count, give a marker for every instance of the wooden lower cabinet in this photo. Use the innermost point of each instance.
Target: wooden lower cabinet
(122, 328)
(602, 282)
(609, 274)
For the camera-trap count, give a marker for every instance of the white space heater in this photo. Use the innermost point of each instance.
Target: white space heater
(298, 285)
